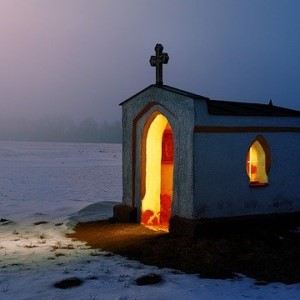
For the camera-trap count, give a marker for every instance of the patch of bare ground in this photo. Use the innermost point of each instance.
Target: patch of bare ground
(268, 255)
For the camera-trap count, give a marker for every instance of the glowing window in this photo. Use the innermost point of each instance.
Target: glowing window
(258, 162)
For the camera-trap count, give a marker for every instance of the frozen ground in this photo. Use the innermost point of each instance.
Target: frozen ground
(45, 188)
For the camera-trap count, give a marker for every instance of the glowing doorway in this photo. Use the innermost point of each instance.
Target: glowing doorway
(157, 172)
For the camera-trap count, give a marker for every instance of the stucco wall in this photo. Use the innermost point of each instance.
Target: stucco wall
(222, 184)
(179, 111)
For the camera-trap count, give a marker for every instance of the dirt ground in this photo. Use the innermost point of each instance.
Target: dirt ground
(264, 254)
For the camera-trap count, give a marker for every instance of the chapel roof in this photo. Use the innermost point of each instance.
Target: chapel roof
(220, 107)
(169, 89)
(230, 108)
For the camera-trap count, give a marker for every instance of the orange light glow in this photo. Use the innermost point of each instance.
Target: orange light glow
(157, 201)
(256, 164)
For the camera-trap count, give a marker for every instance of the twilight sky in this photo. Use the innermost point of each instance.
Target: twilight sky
(81, 58)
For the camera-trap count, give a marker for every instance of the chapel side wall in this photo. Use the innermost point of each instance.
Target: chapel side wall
(221, 182)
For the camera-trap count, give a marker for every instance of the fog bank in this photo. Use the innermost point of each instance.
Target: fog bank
(60, 129)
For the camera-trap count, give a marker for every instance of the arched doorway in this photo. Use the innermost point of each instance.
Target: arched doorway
(157, 172)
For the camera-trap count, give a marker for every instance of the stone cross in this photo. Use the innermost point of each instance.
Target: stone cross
(157, 61)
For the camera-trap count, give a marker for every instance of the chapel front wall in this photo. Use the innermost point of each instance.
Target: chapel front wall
(179, 110)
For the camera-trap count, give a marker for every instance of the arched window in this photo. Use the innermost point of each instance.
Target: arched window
(258, 162)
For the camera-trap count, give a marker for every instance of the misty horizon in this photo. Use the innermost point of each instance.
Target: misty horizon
(60, 129)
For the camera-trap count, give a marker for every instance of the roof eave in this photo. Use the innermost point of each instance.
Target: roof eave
(169, 89)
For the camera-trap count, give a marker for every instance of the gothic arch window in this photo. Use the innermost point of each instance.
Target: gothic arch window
(258, 162)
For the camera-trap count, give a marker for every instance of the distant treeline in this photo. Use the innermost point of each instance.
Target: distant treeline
(60, 129)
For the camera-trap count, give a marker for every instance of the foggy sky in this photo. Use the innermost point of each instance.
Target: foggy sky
(81, 58)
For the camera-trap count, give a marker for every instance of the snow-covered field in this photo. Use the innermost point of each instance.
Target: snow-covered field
(45, 188)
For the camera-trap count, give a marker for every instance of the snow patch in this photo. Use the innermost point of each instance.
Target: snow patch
(36, 188)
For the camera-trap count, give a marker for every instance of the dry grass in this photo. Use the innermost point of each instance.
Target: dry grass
(264, 254)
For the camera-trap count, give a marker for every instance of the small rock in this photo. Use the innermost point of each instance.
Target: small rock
(68, 283)
(40, 222)
(4, 221)
(149, 279)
